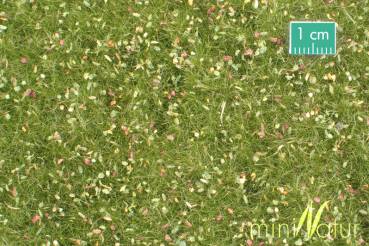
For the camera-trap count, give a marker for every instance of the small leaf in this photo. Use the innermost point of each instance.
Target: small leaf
(87, 3)
(255, 4)
(2, 28)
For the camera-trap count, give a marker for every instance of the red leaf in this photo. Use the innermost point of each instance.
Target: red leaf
(227, 58)
(87, 161)
(257, 34)
(167, 238)
(211, 10)
(35, 218)
(23, 60)
(317, 199)
(184, 54)
(30, 93)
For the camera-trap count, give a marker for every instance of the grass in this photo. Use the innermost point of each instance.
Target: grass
(147, 123)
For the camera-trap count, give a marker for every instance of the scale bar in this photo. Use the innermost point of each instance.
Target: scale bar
(313, 50)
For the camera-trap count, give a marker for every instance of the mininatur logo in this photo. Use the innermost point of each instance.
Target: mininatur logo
(314, 227)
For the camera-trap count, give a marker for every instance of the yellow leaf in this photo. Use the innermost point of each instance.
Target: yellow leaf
(190, 2)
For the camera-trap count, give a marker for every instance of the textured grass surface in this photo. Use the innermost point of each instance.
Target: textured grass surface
(178, 122)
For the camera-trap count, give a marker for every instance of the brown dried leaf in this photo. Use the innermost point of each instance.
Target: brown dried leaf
(248, 52)
(145, 212)
(341, 197)
(276, 40)
(110, 43)
(261, 132)
(188, 224)
(13, 192)
(162, 172)
(351, 190)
